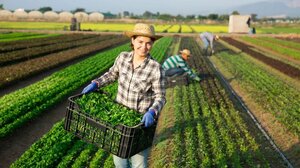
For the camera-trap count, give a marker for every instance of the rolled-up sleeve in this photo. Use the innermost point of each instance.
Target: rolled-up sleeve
(111, 75)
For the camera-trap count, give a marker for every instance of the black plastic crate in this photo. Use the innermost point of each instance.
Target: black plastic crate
(177, 81)
(120, 140)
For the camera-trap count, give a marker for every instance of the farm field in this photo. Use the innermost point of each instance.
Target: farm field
(5, 37)
(171, 28)
(111, 27)
(266, 76)
(201, 124)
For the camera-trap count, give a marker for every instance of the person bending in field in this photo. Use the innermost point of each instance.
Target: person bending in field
(141, 84)
(176, 65)
(208, 41)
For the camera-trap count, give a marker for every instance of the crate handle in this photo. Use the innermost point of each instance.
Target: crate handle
(94, 123)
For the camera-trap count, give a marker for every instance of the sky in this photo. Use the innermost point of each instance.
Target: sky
(174, 7)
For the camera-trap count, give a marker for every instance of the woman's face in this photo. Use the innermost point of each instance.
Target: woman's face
(142, 45)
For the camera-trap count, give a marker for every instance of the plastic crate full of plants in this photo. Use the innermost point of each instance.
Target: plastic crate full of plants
(96, 118)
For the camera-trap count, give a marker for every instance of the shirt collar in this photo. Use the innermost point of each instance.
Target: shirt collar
(130, 58)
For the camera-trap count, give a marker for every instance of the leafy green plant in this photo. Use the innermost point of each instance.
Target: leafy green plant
(104, 108)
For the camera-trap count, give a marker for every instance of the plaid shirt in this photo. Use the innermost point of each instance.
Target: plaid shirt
(142, 88)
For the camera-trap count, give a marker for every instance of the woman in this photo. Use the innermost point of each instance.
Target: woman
(141, 83)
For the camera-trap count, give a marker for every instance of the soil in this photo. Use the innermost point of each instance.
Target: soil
(14, 145)
(209, 84)
(273, 54)
(280, 66)
(288, 143)
(295, 39)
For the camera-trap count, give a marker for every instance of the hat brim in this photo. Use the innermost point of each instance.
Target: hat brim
(131, 34)
(185, 53)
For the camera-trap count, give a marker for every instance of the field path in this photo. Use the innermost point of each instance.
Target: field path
(14, 145)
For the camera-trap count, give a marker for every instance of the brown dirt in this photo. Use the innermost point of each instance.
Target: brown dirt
(287, 142)
(295, 39)
(164, 132)
(270, 51)
(292, 81)
(283, 67)
(14, 145)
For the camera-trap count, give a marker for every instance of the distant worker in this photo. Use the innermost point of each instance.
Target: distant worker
(249, 22)
(176, 65)
(208, 41)
(251, 29)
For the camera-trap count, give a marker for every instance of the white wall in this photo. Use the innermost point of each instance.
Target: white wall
(238, 24)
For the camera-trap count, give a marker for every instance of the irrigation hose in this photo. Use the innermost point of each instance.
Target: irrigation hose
(230, 90)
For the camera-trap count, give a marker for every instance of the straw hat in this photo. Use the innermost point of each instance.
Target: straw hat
(141, 29)
(185, 51)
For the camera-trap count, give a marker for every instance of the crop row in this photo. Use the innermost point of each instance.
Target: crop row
(209, 135)
(5, 37)
(290, 38)
(282, 42)
(24, 69)
(36, 98)
(59, 148)
(284, 47)
(70, 151)
(209, 125)
(74, 152)
(29, 43)
(286, 69)
(274, 95)
(160, 48)
(206, 130)
(30, 53)
(107, 27)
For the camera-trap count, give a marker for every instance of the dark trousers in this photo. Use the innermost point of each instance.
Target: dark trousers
(174, 72)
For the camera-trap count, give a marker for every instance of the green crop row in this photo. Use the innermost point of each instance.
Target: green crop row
(208, 130)
(160, 48)
(274, 95)
(30, 53)
(37, 97)
(282, 42)
(24, 69)
(210, 135)
(5, 37)
(71, 156)
(29, 43)
(273, 29)
(276, 45)
(61, 149)
(78, 153)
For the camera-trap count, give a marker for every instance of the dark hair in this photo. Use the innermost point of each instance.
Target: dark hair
(134, 37)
